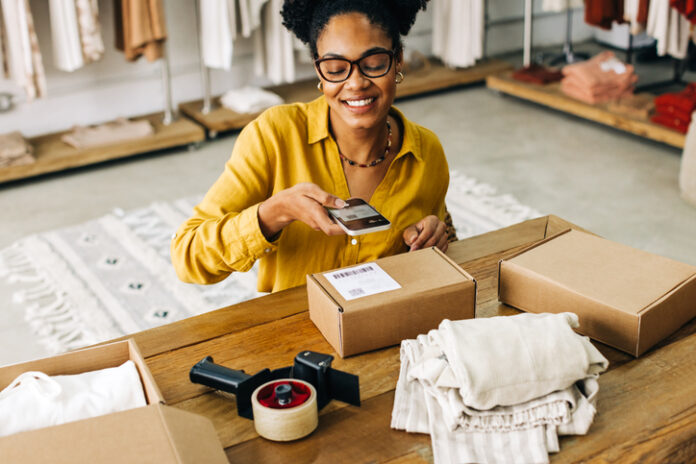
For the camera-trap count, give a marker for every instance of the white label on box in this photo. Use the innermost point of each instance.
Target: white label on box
(363, 280)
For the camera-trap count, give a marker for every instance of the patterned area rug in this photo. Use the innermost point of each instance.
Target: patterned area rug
(112, 276)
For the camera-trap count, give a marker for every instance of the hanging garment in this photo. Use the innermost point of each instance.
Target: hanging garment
(483, 400)
(687, 172)
(561, 5)
(218, 30)
(15, 150)
(537, 74)
(669, 28)
(643, 10)
(603, 13)
(117, 131)
(685, 7)
(90, 30)
(274, 51)
(4, 65)
(23, 56)
(65, 35)
(140, 28)
(636, 15)
(250, 100)
(458, 27)
(35, 400)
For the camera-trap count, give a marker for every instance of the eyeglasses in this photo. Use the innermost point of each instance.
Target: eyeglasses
(375, 64)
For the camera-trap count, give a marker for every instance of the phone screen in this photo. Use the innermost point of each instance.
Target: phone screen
(359, 217)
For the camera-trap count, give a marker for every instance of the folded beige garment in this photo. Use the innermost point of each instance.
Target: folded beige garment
(108, 133)
(18, 161)
(13, 145)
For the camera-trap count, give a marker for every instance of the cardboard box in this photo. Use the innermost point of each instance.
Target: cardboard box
(624, 297)
(154, 433)
(433, 288)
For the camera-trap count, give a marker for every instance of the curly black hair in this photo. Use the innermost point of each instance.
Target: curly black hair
(307, 18)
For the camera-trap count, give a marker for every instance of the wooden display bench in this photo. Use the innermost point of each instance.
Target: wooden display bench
(550, 95)
(53, 155)
(433, 77)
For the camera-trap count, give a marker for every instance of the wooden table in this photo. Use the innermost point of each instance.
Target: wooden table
(647, 407)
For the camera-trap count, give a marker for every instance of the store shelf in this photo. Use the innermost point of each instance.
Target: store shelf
(53, 155)
(430, 78)
(550, 95)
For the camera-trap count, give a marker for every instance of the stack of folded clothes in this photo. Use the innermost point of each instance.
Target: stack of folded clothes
(120, 130)
(638, 106)
(674, 109)
(600, 79)
(537, 74)
(498, 389)
(14, 150)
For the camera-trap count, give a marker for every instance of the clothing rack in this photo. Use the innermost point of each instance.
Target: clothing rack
(53, 155)
(434, 77)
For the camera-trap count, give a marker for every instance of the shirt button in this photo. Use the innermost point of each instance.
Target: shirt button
(354, 242)
(267, 250)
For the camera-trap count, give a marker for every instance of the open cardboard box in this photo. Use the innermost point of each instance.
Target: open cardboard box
(154, 433)
(433, 288)
(627, 298)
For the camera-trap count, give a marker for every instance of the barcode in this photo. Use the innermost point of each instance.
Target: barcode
(362, 270)
(356, 291)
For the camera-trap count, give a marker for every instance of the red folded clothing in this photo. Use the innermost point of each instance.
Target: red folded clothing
(684, 101)
(671, 122)
(537, 74)
(673, 111)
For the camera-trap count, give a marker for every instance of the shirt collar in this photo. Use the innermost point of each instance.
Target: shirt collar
(318, 127)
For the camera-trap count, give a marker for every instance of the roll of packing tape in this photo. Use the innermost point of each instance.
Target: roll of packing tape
(285, 409)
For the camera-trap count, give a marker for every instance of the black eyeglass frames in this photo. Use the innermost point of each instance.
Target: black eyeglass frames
(372, 65)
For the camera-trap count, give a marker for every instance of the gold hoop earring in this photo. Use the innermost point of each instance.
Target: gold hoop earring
(399, 77)
(320, 86)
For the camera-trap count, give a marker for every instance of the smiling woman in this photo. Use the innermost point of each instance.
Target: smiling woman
(294, 161)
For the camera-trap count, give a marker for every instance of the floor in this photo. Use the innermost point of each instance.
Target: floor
(615, 184)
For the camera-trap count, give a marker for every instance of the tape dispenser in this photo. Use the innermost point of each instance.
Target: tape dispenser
(283, 403)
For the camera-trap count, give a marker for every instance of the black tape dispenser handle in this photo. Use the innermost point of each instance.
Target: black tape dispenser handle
(207, 373)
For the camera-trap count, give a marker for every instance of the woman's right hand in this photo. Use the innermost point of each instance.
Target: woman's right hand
(302, 202)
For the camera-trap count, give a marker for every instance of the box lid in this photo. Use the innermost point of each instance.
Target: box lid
(435, 271)
(154, 433)
(625, 278)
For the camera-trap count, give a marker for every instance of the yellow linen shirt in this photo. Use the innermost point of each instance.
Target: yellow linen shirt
(284, 146)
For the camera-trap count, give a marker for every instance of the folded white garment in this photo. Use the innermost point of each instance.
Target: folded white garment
(517, 358)
(35, 400)
(432, 398)
(250, 100)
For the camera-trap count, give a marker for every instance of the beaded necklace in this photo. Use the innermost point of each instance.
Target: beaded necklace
(373, 162)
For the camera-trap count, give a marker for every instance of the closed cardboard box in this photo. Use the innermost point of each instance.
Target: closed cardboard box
(624, 297)
(153, 433)
(425, 287)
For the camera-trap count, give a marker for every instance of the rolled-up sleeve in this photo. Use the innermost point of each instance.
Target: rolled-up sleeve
(223, 235)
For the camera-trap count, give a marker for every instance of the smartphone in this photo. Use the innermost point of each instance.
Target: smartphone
(359, 218)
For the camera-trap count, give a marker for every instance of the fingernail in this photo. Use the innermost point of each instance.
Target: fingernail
(340, 203)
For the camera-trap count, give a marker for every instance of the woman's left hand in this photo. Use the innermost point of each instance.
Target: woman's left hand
(429, 231)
